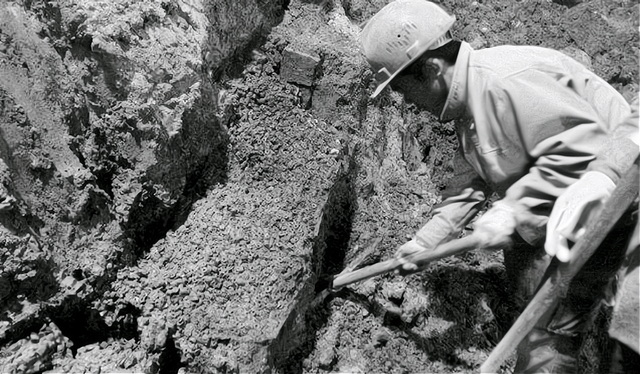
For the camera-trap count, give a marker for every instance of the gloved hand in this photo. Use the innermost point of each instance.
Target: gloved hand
(495, 227)
(573, 209)
(407, 249)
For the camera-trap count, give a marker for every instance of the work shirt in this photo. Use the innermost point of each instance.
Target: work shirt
(529, 120)
(621, 149)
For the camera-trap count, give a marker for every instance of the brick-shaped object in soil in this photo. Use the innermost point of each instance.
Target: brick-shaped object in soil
(299, 67)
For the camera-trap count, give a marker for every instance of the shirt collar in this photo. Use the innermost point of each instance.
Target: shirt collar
(455, 106)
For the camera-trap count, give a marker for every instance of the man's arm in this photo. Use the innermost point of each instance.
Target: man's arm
(453, 214)
(585, 198)
(464, 197)
(619, 152)
(562, 132)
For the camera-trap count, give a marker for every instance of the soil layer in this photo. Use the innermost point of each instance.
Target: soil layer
(177, 178)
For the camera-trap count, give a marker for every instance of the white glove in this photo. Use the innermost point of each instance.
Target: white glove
(407, 249)
(495, 227)
(573, 209)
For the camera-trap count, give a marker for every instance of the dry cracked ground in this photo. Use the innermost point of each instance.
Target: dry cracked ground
(178, 176)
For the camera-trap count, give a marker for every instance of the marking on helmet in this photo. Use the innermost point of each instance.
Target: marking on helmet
(403, 37)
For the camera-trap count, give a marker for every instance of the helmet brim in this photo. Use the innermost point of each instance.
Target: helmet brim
(435, 44)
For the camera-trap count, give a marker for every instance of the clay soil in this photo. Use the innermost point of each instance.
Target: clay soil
(193, 235)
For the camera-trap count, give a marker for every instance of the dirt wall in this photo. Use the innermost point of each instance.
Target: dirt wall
(178, 176)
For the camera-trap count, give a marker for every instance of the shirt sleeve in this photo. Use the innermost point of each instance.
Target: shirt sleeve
(464, 197)
(563, 123)
(619, 152)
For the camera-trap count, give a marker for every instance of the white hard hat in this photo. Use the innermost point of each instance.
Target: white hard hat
(400, 33)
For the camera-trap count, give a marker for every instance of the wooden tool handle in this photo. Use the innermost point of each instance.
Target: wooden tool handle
(421, 258)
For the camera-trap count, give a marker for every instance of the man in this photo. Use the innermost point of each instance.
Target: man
(567, 222)
(529, 121)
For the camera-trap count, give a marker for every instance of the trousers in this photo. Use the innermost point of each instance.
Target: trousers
(553, 346)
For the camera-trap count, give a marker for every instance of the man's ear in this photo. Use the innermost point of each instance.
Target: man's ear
(433, 66)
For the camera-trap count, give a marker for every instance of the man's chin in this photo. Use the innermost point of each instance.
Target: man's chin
(426, 106)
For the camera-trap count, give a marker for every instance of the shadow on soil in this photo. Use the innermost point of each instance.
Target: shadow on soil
(297, 337)
(84, 325)
(457, 297)
(150, 218)
(206, 131)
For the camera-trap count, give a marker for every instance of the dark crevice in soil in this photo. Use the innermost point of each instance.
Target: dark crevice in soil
(126, 323)
(81, 324)
(169, 361)
(297, 338)
(150, 218)
(336, 224)
(48, 12)
(84, 325)
(41, 286)
(568, 3)
(233, 65)
(213, 168)
(22, 327)
(104, 181)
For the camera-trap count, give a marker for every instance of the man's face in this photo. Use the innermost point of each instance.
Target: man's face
(421, 85)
